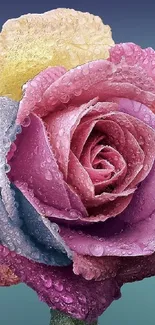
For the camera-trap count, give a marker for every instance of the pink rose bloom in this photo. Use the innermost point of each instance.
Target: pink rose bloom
(82, 172)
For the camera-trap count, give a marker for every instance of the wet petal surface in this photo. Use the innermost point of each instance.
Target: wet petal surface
(61, 289)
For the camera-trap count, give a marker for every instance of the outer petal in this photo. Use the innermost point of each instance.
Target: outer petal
(61, 37)
(63, 290)
(133, 54)
(100, 78)
(136, 268)
(34, 89)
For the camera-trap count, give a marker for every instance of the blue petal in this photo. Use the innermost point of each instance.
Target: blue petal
(42, 230)
(8, 131)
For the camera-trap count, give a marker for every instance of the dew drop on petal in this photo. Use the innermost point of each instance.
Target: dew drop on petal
(96, 249)
(26, 122)
(18, 129)
(67, 299)
(58, 286)
(48, 175)
(48, 283)
(7, 168)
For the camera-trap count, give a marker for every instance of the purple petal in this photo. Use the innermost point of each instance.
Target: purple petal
(136, 268)
(61, 289)
(137, 110)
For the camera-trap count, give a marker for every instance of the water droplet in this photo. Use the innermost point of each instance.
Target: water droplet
(77, 92)
(42, 164)
(7, 168)
(36, 150)
(48, 175)
(64, 98)
(141, 141)
(48, 283)
(96, 249)
(147, 118)
(58, 286)
(5, 252)
(49, 160)
(26, 122)
(68, 299)
(19, 129)
(56, 299)
(58, 145)
(74, 214)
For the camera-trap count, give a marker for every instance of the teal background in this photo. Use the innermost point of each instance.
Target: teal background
(19, 305)
(134, 21)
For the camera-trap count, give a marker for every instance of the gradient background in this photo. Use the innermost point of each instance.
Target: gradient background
(130, 21)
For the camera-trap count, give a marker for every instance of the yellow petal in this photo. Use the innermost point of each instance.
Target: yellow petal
(33, 42)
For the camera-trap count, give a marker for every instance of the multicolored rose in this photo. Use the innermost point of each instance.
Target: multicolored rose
(77, 170)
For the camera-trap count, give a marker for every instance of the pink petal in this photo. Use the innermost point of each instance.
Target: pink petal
(60, 126)
(83, 130)
(79, 178)
(133, 54)
(132, 233)
(33, 91)
(120, 169)
(75, 201)
(104, 80)
(106, 197)
(145, 134)
(127, 143)
(134, 157)
(113, 207)
(112, 162)
(81, 135)
(137, 110)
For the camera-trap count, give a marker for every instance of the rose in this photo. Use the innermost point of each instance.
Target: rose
(107, 105)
